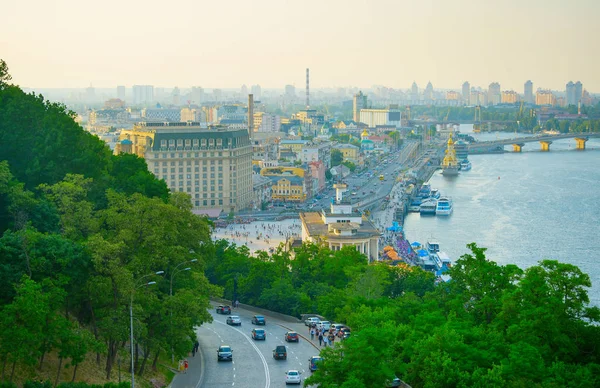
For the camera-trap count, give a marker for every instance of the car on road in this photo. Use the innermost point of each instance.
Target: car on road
(258, 320)
(234, 320)
(324, 325)
(291, 336)
(346, 332)
(259, 334)
(280, 352)
(225, 353)
(313, 361)
(223, 309)
(311, 320)
(293, 377)
(337, 326)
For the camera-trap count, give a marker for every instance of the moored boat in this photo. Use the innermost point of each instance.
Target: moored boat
(444, 206)
(428, 207)
(465, 165)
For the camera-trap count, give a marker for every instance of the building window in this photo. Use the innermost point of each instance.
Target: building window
(164, 170)
(172, 144)
(219, 144)
(211, 143)
(188, 142)
(180, 176)
(204, 144)
(163, 143)
(195, 144)
(179, 142)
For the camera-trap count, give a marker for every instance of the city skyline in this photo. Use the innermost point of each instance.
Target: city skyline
(270, 43)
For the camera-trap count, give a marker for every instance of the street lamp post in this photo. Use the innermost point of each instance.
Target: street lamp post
(131, 321)
(175, 271)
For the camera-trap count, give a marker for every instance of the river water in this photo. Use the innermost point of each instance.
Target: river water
(523, 207)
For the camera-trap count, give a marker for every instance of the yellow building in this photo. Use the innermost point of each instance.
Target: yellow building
(545, 97)
(350, 152)
(510, 97)
(288, 183)
(294, 145)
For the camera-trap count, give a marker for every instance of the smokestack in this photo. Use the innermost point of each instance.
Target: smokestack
(250, 116)
(307, 90)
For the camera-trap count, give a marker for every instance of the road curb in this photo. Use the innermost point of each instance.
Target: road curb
(306, 339)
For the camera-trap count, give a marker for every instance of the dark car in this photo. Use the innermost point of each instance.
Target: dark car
(346, 332)
(259, 334)
(312, 363)
(292, 336)
(280, 353)
(223, 309)
(258, 320)
(224, 353)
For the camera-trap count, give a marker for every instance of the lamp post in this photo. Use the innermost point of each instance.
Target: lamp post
(518, 128)
(131, 321)
(175, 271)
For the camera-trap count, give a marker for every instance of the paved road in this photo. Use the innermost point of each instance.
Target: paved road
(252, 360)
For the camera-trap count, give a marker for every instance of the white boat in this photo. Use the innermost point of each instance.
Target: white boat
(415, 205)
(435, 194)
(444, 206)
(428, 207)
(465, 165)
(442, 262)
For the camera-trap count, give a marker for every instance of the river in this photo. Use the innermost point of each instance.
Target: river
(523, 207)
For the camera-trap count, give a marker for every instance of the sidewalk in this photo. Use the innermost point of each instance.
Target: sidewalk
(195, 373)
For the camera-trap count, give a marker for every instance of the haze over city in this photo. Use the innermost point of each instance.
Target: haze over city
(64, 44)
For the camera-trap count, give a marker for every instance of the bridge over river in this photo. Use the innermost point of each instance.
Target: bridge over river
(545, 141)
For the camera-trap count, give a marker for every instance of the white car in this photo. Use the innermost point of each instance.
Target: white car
(324, 325)
(311, 320)
(234, 320)
(293, 377)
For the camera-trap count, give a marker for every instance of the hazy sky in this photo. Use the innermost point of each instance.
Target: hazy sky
(227, 43)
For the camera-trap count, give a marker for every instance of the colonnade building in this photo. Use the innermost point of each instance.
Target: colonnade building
(340, 227)
(213, 165)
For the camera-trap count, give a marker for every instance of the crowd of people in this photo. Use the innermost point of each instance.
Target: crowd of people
(325, 337)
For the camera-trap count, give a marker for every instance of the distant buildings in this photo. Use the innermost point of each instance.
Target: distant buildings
(197, 95)
(528, 92)
(545, 97)
(256, 90)
(290, 92)
(374, 117)
(143, 94)
(494, 94)
(574, 93)
(213, 165)
(114, 103)
(359, 102)
(452, 96)
(289, 184)
(121, 93)
(510, 97)
(466, 92)
(161, 114)
(265, 122)
(414, 92)
(428, 93)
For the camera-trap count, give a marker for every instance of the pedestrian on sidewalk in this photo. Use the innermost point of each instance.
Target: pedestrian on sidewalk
(320, 338)
(196, 346)
(185, 365)
(325, 340)
(193, 351)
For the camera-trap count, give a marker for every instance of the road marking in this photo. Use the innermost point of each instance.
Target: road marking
(264, 361)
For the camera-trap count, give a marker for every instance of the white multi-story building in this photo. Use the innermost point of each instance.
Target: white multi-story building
(375, 117)
(264, 122)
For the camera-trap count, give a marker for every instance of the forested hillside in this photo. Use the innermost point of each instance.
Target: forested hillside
(84, 233)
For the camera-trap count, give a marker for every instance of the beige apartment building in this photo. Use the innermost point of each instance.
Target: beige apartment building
(213, 165)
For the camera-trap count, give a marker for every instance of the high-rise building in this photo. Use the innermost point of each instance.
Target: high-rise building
(428, 93)
(213, 165)
(264, 122)
(217, 95)
(256, 90)
(494, 94)
(290, 92)
(143, 94)
(466, 92)
(375, 117)
(545, 97)
(197, 95)
(244, 91)
(414, 92)
(359, 102)
(121, 92)
(176, 96)
(90, 94)
(578, 92)
(528, 92)
(509, 97)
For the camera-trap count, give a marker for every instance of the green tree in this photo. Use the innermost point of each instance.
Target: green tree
(337, 157)
(4, 75)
